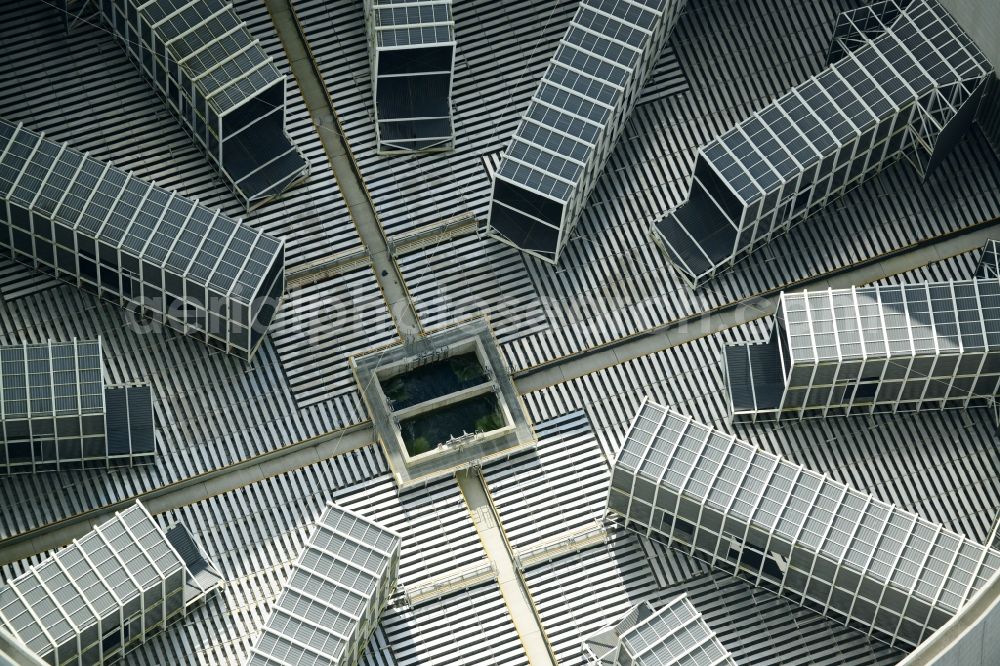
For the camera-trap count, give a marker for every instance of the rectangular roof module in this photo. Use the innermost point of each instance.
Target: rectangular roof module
(56, 413)
(411, 49)
(335, 594)
(557, 153)
(673, 635)
(136, 244)
(92, 601)
(906, 82)
(845, 554)
(224, 88)
(864, 350)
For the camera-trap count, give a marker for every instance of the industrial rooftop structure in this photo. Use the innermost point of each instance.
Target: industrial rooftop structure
(512, 561)
(862, 350)
(217, 79)
(135, 244)
(855, 559)
(411, 48)
(93, 601)
(673, 635)
(905, 81)
(558, 151)
(56, 413)
(336, 592)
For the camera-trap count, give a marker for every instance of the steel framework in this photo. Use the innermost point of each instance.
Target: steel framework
(847, 555)
(56, 414)
(93, 601)
(228, 94)
(863, 350)
(907, 84)
(673, 635)
(135, 244)
(557, 153)
(411, 50)
(335, 594)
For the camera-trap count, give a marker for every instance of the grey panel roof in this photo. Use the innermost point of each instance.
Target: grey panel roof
(83, 582)
(900, 320)
(335, 577)
(130, 420)
(150, 223)
(922, 49)
(857, 531)
(51, 379)
(580, 89)
(407, 23)
(213, 46)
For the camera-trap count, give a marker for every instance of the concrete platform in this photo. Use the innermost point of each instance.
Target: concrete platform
(470, 450)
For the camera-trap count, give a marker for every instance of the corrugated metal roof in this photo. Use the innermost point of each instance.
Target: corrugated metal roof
(727, 59)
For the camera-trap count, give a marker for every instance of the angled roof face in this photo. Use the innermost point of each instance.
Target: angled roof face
(675, 635)
(130, 420)
(335, 579)
(88, 580)
(157, 226)
(412, 23)
(989, 261)
(215, 49)
(896, 547)
(898, 320)
(584, 83)
(920, 50)
(51, 379)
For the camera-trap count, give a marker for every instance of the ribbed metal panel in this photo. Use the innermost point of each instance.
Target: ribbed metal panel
(578, 594)
(531, 491)
(320, 326)
(128, 124)
(117, 420)
(612, 281)
(211, 411)
(140, 418)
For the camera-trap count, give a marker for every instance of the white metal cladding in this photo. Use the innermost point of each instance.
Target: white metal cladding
(931, 345)
(674, 635)
(95, 599)
(335, 594)
(559, 149)
(842, 553)
(136, 244)
(907, 83)
(411, 48)
(228, 93)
